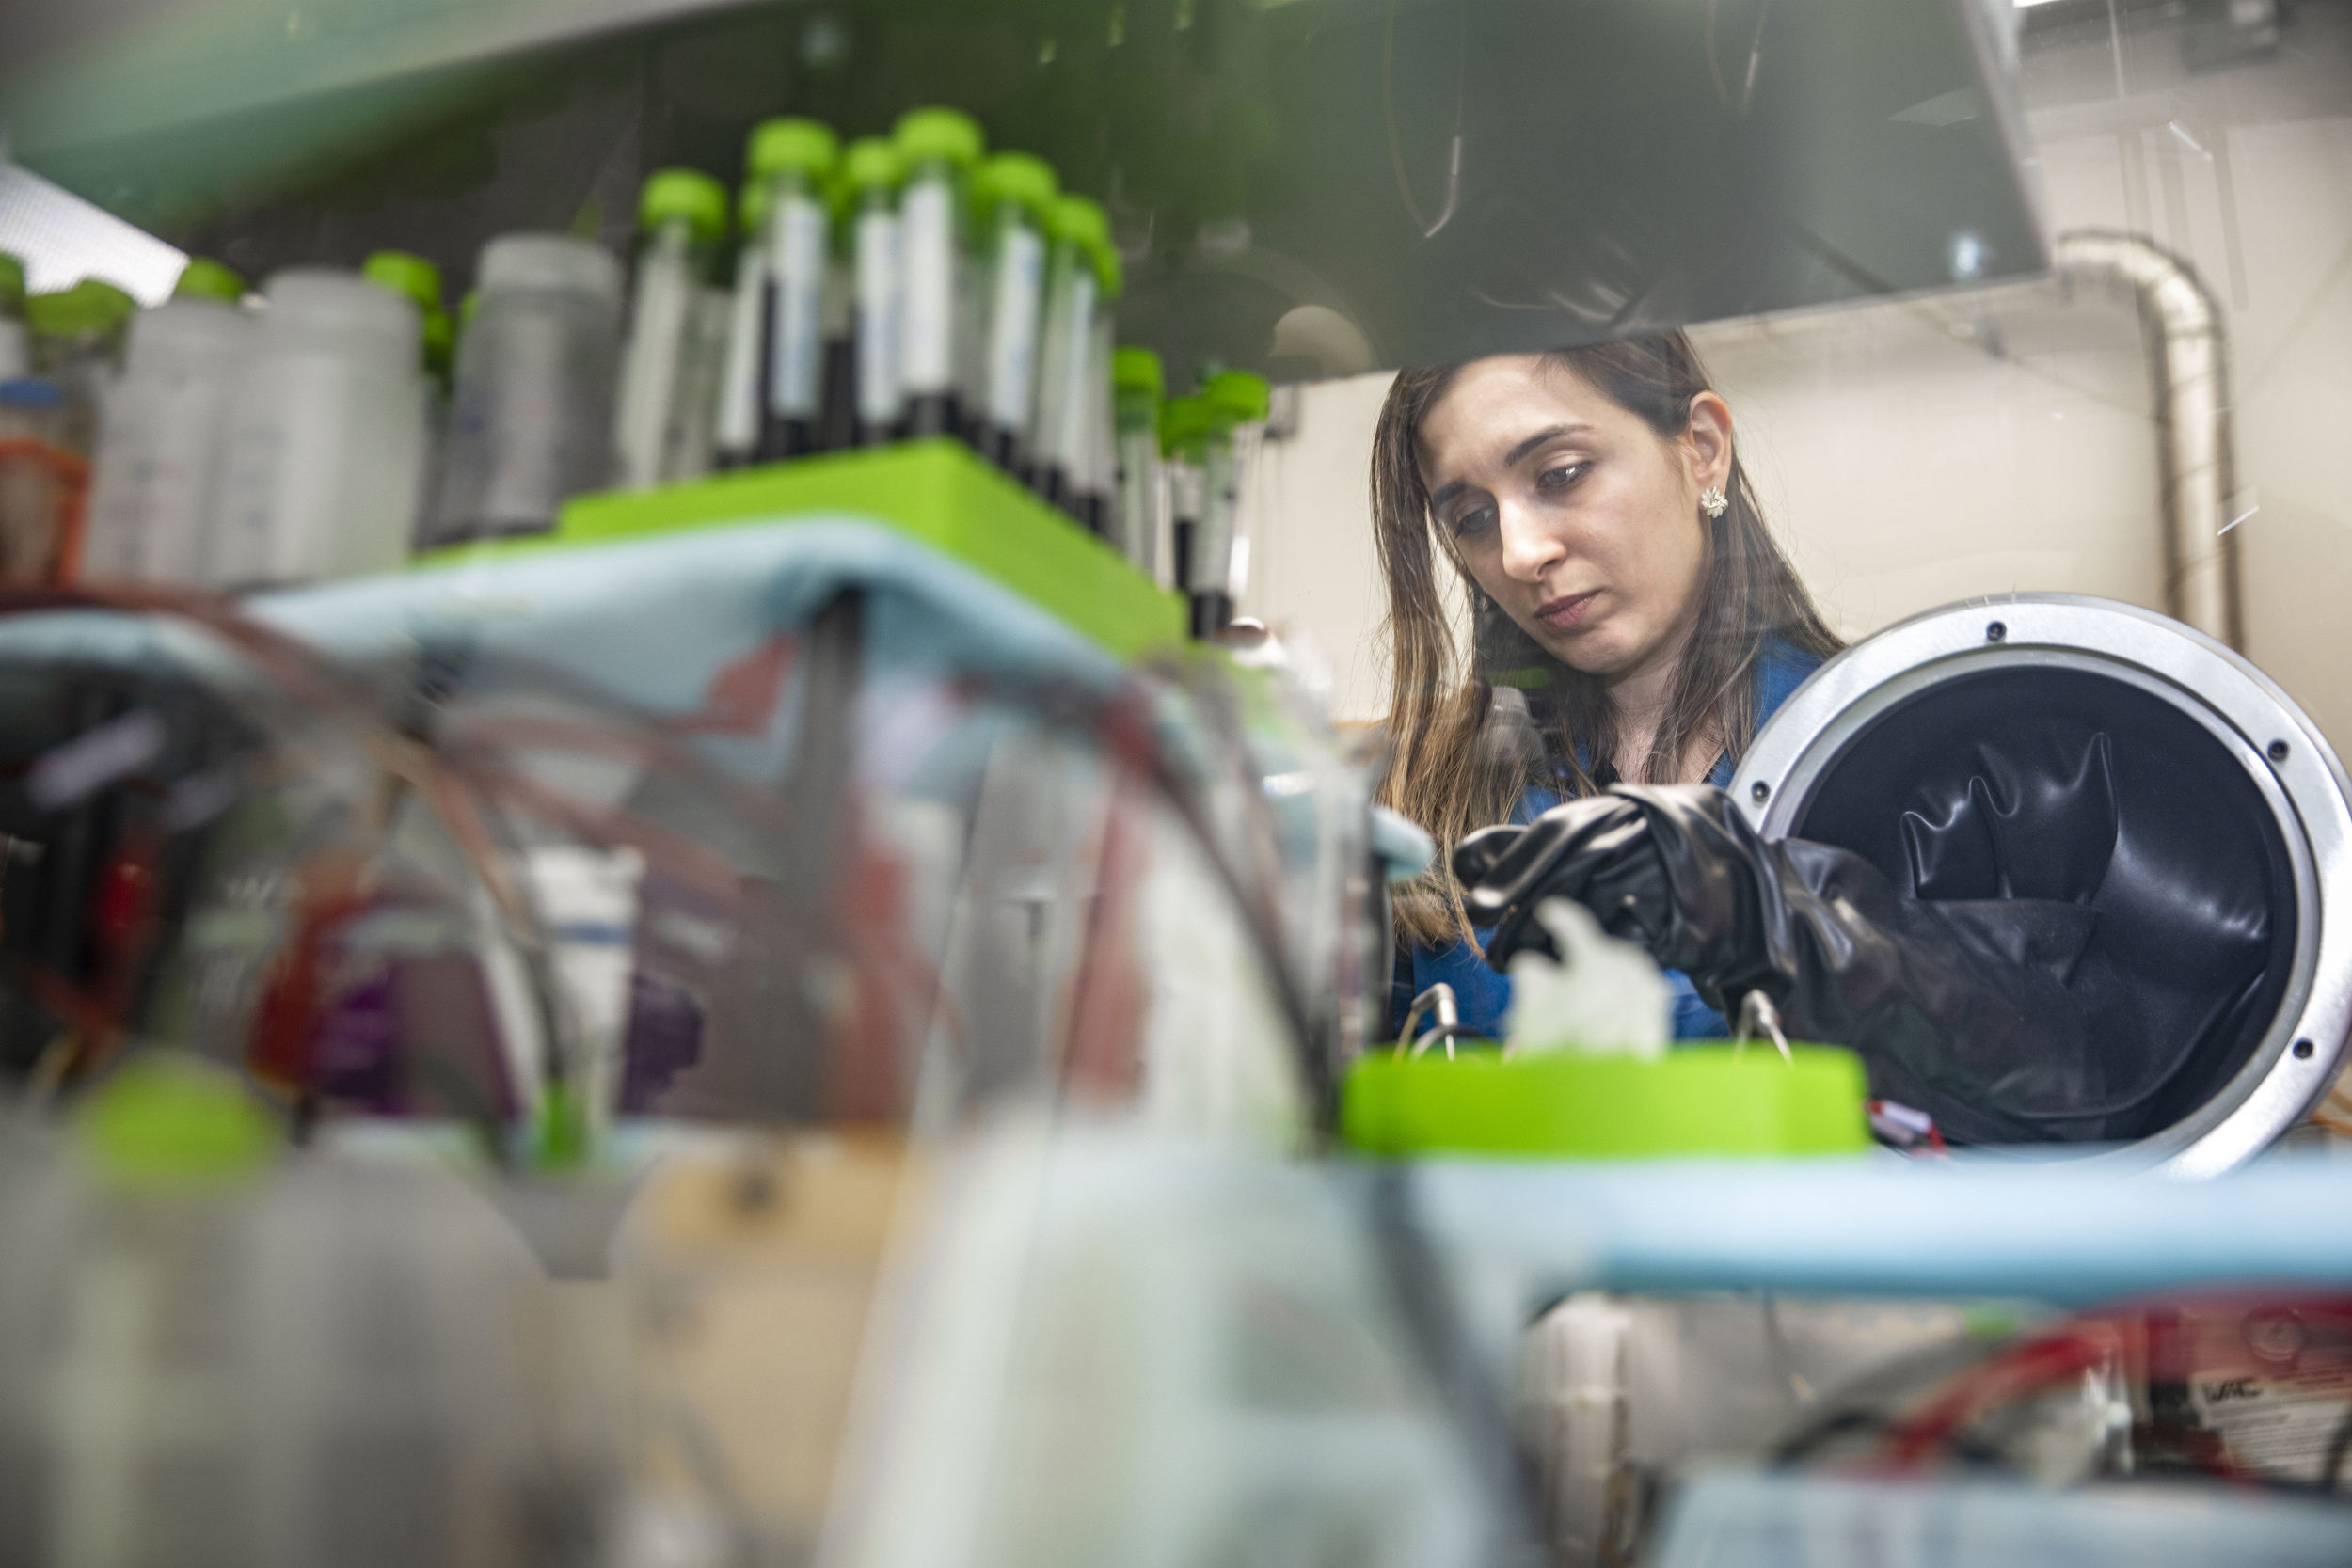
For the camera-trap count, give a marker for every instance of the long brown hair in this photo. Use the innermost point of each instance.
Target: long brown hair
(1451, 768)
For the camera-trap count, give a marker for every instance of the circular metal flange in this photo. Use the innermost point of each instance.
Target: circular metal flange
(2281, 752)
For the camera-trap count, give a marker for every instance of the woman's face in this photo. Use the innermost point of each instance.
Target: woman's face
(1570, 512)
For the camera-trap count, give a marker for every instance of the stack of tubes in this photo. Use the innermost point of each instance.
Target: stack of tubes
(899, 288)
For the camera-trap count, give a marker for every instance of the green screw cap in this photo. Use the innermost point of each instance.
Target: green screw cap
(1015, 177)
(790, 145)
(1184, 422)
(89, 306)
(167, 1118)
(1236, 397)
(1079, 222)
(870, 161)
(11, 282)
(205, 278)
(684, 195)
(924, 134)
(412, 278)
(1137, 370)
(1085, 225)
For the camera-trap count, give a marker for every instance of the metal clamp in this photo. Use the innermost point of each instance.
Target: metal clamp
(1756, 1012)
(1438, 1000)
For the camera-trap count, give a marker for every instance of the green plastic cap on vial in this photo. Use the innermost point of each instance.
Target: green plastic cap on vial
(1137, 370)
(870, 163)
(1079, 222)
(791, 145)
(1184, 422)
(410, 277)
(1082, 223)
(89, 306)
(11, 282)
(205, 278)
(1236, 397)
(1110, 274)
(683, 196)
(1015, 177)
(947, 136)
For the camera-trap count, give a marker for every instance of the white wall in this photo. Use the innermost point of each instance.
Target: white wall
(1915, 453)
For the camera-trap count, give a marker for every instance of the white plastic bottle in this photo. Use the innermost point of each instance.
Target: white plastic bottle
(160, 447)
(659, 430)
(531, 423)
(324, 454)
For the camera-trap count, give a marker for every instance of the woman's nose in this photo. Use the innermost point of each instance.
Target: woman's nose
(1529, 546)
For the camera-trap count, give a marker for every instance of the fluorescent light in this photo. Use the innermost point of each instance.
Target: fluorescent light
(62, 239)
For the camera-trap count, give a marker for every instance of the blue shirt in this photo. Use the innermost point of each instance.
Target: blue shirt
(1483, 993)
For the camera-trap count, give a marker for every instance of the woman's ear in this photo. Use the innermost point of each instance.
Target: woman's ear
(1708, 442)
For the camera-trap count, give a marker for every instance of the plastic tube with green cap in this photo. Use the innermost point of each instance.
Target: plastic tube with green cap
(794, 160)
(1098, 483)
(1014, 198)
(1234, 405)
(1183, 442)
(872, 170)
(658, 430)
(939, 149)
(1139, 523)
(1062, 431)
(735, 433)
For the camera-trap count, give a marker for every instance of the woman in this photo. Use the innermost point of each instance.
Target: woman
(1625, 599)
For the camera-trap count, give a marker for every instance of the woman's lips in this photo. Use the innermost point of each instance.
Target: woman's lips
(1563, 614)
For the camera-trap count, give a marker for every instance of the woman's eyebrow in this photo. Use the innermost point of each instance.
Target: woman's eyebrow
(1554, 433)
(1446, 491)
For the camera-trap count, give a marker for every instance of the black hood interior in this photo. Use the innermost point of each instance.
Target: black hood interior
(2090, 826)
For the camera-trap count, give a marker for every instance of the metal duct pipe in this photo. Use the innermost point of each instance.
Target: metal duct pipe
(2188, 364)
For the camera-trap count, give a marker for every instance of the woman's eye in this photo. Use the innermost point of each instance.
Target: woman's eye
(1561, 476)
(1473, 521)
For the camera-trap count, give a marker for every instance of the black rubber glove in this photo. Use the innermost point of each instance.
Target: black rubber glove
(1959, 1010)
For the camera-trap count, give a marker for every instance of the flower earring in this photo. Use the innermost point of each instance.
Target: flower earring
(1713, 501)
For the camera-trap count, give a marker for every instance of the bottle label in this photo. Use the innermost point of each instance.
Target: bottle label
(796, 263)
(878, 317)
(927, 241)
(1012, 318)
